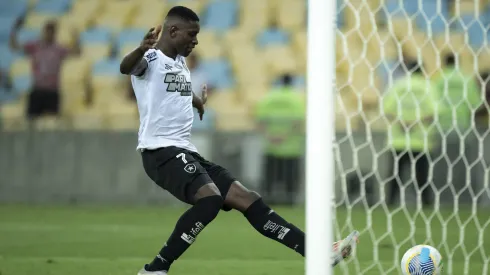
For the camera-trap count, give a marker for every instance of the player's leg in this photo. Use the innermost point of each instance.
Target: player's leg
(271, 225)
(185, 178)
(422, 178)
(265, 220)
(396, 167)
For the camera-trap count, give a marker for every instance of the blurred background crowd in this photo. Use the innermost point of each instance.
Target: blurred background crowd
(59, 73)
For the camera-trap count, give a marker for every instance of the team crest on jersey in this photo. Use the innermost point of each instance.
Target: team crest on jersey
(178, 83)
(190, 168)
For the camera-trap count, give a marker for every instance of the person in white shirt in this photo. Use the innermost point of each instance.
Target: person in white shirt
(162, 84)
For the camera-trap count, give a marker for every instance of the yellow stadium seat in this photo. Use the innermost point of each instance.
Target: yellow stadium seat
(74, 70)
(401, 27)
(21, 66)
(154, 8)
(113, 21)
(95, 52)
(241, 53)
(291, 15)
(237, 36)
(87, 119)
(484, 60)
(280, 59)
(37, 20)
(382, 45)
(210, 51)
(246, 76)
(145, 21)
(232, 115)
(73, 99)
(251, 94)
(122, 115)
(413, 44)
(346, 113)
(67, 36)
(255, 15)
(13, 115)
(468, 7)
(49, 123)
(210, 46)
(196, 5)
(127, 48)
(105, 88)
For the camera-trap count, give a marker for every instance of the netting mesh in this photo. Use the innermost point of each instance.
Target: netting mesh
(441, 187)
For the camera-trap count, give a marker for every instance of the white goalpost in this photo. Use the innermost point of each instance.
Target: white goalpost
(320, 135)
(349, 156)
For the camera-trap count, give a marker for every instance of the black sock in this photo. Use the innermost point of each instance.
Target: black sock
(190, 224)
(271, 225)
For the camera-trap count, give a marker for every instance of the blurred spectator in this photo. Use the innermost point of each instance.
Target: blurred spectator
(198, 75)
(47, 57)
(459, 97)
(484, 84)
(281, 115)
(411, 106)
(5, 83)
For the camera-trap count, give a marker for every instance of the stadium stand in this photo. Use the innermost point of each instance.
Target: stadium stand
(245, 45)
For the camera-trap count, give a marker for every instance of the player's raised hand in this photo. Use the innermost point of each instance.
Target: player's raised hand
(151, 38)
(204, 93)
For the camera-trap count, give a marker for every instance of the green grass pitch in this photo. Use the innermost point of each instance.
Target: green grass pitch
(105, 240)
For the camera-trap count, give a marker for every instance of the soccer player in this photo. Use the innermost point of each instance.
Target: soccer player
(162, 85)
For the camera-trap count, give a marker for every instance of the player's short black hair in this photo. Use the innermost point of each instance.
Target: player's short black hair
(287, 80)
(183, 13)
(450, 60)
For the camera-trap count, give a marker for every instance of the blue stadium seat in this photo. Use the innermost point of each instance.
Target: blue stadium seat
(411, 7)
(7, 96)
(220, 15)
(475, 27)
(298, 82)
(430, 19)
(22, 83)
(53, 6)
(13, 8)
(95, 35)
(340, 13)
(218, 72)
(106, 67)
(131, 35)
(393, 8)
(272, 37)
(6, 24)
(26, 35)
(207, 123)
(7, 56)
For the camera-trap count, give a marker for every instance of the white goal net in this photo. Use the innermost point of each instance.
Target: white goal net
(411, 167)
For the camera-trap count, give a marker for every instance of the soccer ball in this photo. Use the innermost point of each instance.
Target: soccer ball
(422, 260)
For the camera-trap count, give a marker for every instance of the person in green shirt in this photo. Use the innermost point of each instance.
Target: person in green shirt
(460, 95)
(411, 106)
(281, 115)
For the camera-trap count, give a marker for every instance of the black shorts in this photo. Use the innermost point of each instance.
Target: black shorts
(43, 102)
(182, 172)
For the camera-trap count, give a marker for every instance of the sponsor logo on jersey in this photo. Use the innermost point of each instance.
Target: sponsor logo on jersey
(151, 56)
(178, 83)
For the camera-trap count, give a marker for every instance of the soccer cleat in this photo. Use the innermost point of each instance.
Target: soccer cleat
(144, 272)
(344, 248)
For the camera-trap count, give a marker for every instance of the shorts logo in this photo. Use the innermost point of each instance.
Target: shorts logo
(190, 168)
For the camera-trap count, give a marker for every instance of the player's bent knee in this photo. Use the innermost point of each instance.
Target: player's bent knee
(207, 190)
(209, 207)
(240, 198)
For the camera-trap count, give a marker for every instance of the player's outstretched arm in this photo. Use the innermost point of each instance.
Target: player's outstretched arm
(198, 102)
(133, 63)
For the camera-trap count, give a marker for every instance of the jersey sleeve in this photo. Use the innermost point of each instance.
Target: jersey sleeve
(150, 57)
